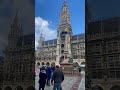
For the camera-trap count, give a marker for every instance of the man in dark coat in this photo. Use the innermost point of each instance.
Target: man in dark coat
(53, 69)
(42, 78)
(58, 78)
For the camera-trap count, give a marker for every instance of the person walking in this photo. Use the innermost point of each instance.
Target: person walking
(42, 77)
(58, 78)
(53, 68)
(49, 72)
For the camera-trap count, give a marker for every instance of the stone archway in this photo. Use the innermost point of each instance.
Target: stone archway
(116, 87)
(19, 88)
(53, 64)
(30, 88)
(96, 87)
(38, 64)
(75, 64)
(82, 63)
(61, 58)
(42, 63)
(47, 63)
(8, 88)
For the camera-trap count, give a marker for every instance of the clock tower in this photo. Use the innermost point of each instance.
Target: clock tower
(64, 37)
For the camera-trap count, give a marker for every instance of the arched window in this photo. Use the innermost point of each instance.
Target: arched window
(75, 64)
(62, 46)
(19, 88)
(53, 64)
(61, 58)
(47, 63)
(115, 87)
(38, 64)
(66, 56)
(8, 88)
(97, 88)
(62, 51)
(30, 88)
(83, 63)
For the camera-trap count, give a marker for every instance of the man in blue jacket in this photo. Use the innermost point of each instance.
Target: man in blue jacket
(49, 72)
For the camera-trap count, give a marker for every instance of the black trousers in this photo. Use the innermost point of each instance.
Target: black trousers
(41, 87)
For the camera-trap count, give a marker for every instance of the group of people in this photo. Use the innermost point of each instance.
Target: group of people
(50, 75)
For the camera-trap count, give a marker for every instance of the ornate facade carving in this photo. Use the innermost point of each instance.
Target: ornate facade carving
(103, 56)
(19, 61)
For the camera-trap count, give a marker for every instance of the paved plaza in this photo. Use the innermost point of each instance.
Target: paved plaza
(82, 83)
(70, 83)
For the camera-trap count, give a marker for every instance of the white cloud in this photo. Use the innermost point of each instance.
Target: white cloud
(42, 25)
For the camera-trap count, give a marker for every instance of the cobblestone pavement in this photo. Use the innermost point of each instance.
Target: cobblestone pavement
(70, 83)
(82, 83)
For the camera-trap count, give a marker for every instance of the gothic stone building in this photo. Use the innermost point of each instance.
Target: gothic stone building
(103, 54)
(18, 65)
(67, 48)
(1, 70)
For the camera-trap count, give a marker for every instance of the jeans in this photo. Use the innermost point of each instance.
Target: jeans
(57, 86)
(48, 82)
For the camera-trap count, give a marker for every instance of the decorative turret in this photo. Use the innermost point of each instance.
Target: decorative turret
(64, 15)
(41, 40)
(15, 32)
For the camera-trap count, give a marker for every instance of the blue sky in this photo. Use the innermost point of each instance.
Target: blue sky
(47, 17)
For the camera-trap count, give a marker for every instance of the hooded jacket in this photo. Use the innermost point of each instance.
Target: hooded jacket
(58, 76)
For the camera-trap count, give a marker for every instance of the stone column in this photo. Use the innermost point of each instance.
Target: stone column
(57, 51)
(66, 42)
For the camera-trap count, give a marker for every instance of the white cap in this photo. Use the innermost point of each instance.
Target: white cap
(58, 65)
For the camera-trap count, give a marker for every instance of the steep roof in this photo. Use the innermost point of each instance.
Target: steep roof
(74, 37)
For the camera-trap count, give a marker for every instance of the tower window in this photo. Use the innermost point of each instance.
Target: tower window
(62, 51)
(61, 58)
(62, 46)
(65, 56)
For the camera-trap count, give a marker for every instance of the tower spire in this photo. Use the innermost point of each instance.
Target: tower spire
(63, 51)
(64, 1)
(16, 15)
(64, 15)
(41, 40)
(41, 35)
(15, 22)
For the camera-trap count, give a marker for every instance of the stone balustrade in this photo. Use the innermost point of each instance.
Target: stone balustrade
(71, 72)
(100, 35)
